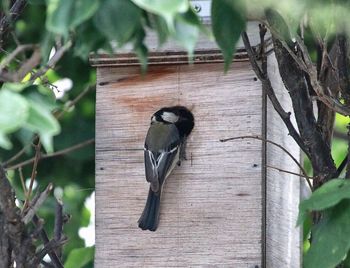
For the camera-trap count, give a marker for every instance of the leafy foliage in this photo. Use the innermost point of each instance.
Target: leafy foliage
(329, 195)
(129, 18)
(65, 15)
(18, 111)
(80, 257)
(331, 238)
(227, 23)
(168, 9)
(331, 241)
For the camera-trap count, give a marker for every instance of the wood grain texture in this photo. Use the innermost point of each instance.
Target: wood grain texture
(283, 239)
(212, 204)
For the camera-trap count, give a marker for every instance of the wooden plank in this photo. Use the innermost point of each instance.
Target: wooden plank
(283, 239)
(212, 205)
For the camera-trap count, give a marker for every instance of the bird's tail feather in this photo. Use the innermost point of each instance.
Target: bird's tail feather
(150, 216)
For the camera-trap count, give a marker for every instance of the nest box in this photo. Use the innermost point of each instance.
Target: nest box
(222, 207)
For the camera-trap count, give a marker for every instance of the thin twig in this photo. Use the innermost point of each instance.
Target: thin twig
(14, 53)
(50, 247)
(46, 264)
(34, 172)
(279, 146)
(55, 154)
(286, 171)
(58, 220)
(33, 208)
(318, 87)
(22, 181)
(16, 156)
(52, 62)
(74, 101)
(58, 229)
(44, 237)
(28, 66)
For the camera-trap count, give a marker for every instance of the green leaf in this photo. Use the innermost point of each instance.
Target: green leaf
(118, 20)
(307, 228)
(88, 39)
(328, 195)
(330, 238)
(16, 87)
(85, 217)
(14, 110)
(227, 24)
(25, 136)
(59, 14)
(168, 9)
(40, 120)
(65, 15)
(80, 257)
(142, 53)
(161, 28)
(47, 43)
(278, 24)
(341, 122)
(187, 30)
(84, 9)
(5, 142)
(42, 96)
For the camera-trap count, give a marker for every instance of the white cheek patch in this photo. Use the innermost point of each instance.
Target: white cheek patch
(169, 117)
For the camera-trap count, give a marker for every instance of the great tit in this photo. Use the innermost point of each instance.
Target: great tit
(164, 148)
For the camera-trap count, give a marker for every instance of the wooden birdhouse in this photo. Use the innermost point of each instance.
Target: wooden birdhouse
(223, 207)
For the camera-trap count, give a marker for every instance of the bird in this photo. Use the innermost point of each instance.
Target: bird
(165, 147)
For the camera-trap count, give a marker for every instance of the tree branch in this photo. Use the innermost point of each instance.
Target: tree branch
(286, 171)
(321, 90)
(52, 62)
(36, 204)
(34, 172)
(294, 79)
(58, 229)
(14, 229)
(263, 76)
(15, 11)
(28, 65)
(14, 53)
(71, 103)
(50, 247)
(44, 237)
(58, 153)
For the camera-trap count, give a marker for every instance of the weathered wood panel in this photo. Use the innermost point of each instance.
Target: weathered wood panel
(283, 239)
(212, 204)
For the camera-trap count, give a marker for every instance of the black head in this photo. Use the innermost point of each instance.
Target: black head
(178, 115)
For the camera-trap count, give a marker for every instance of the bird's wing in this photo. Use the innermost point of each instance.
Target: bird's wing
(161, 153)
(159, 166)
